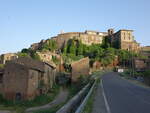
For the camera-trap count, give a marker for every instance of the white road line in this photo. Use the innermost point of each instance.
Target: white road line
(106, 102)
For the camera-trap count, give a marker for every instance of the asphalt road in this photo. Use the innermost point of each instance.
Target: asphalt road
(125, 97)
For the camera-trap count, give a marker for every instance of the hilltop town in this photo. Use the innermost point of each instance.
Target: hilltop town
(64, 58)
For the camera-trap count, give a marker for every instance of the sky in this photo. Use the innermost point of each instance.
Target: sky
(23, 22)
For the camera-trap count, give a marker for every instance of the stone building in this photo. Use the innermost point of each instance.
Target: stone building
(7, 57)
(47, 56)
(87, 37)
(139, 64)
(25, 78)
(79, 68)
(123, 39)
(145, 51)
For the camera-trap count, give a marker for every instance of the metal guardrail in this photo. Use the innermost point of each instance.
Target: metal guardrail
(67, 108)
(84, 102)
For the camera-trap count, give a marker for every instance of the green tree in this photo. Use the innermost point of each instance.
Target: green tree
(50, 45)
(23, 55)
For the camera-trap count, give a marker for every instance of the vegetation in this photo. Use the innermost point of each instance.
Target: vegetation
(20, 106)
(75, 50)
(1, 65)
(29, 53)
(55, 60)
(49, 45)
(74, 88)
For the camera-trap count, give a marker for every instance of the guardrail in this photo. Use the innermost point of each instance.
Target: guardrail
(84, 102)
(68, 108)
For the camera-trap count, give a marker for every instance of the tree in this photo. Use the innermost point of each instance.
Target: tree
(23, 55)
(50, 45)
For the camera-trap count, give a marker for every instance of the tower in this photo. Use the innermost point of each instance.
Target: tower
(110, 31)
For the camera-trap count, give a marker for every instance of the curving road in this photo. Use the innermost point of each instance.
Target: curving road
(123, 96)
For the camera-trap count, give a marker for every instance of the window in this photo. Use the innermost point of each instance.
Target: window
(18, 96)
(1, 78)
(129, 38)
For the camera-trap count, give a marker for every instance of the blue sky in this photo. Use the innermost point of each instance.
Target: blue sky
(23, 22)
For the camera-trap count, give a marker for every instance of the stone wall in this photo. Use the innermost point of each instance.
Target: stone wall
(32, 84)
(1, 88)
(139, 64)
(49, 76)
(79, 68)
(87, 38)
(125, 40)
(8, 57)
(15, 81)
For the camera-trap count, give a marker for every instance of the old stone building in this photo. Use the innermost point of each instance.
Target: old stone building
(87, 37)
(139, 64)
(47, 56)
(7, 57)
(25, 78)
(79, 68)
(123, 39)
(145, 51)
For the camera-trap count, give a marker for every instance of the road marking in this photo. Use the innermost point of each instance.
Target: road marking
(106, 102)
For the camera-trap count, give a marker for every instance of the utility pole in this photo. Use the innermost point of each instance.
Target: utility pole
(131, 62)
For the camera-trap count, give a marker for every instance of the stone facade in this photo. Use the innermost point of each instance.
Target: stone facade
(79, 68)
(124, 39)
(25, 78)
(139, 64)
(145, 51)
(87, 37)
(46, 56)
(7, 57)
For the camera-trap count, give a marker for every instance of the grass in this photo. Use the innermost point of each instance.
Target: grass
(20, 106)
(89, 105)
(51, 110)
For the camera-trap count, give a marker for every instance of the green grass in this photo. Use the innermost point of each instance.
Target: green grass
(20, 106)
(89, 105)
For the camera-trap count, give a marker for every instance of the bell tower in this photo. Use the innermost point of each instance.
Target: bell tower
(110, 31)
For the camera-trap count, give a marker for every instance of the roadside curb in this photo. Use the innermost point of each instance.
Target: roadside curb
(105, 99)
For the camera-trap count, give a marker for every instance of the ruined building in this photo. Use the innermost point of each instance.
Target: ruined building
(7, 57)
(25, 78)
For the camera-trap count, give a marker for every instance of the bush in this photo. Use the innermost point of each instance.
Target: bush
(146, 73)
